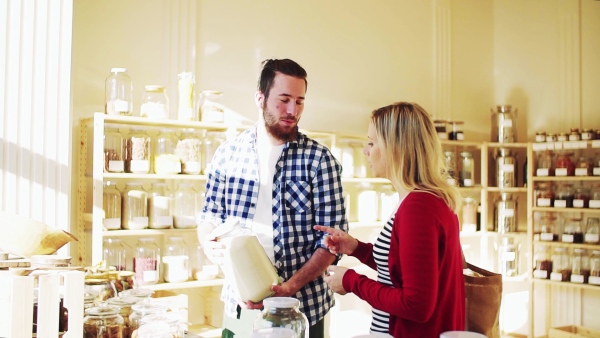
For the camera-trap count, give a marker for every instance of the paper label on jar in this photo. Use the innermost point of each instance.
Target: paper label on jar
(139, 166)
(508, 212)
(581, 172)
(509, 168)
(542, 172)
(547, 236)
(592, 238)
(508, 256)
(442, 136)
(467, 182)
(577, 203)
(506, 123)
(543, 274)
(139, 223)
(150, 276)
(560, 172)
(116, 166)
(594, 280)
(558, 145)
(596, 144)
(595, 204)
(460, 136)
(112, 223)
(543, 202)
(576, 278)
(556, 276)
(597, 171)
(567, 238)
(560, 203)
(539, 146)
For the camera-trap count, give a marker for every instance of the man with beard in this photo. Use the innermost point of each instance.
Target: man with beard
(280, 183)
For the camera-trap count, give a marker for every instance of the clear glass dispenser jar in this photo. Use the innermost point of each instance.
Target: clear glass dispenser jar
(549, 231)
(572, 231)
(189, 150)
(102, 322)
(505, 213)
(176, 329)
(508, 257)
(592, 231)
(467, 169)
(146, 262)
(155, 102)
(184, 207)
(137, 152)
(135, 207)
(564, 164)
(545, 163)
(580, 265)
(114, 150)
(118, 93)
(564, 195)
(114, 254)
(561, 265)
(111, 205)
(594, 268)
(175, 260)
(282, 312)
(504, 127)
(159, 207)
(506, 168)
(166, 162)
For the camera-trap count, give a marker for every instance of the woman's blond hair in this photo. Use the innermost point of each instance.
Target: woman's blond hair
(415, 160)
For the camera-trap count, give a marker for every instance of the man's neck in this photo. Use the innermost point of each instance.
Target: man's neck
(262, 132)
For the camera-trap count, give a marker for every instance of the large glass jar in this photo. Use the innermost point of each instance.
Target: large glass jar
(505, 213)
(564, 196)
(504, 127)
(166, 162)
(145, 262)
(143, 309)
(549, 230)
(211, 142)
(506, 168)
(118, 93)
(159, 207)
(114, 148)
(189, 150)
(544, 195)
(135, 207)
(210, 109)
(137, 152)
(124, 305)
(449, 157)
(595, 268)
(114, 254)
(581, 198)
(580, 265)
(172, 319)
(545, 163)
(155, 102)
(572, 231)
(102, 322)
(111, 205)
(282, 312)
(469, 214)
(467, 169)
(184, 207)
(175, 260)
(564, 164)
(595, 196)
(584, 166)
(561, 265)
(592, 231)
(508, 257)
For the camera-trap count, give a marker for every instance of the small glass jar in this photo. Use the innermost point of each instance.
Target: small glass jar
(540, 136)
(561, 265)
(450, 157)
(456, 134)
(544, 195)
(175, 261)
(159, 207)
(564, 164)
(587, 134)
(143, 309)
(118, 93)
(135, 207)
(564, 196)
(551, 137)
(103, 322)
(574, 136)
(580, 266)
(592, 231)
(155, 102)
(548, 229)
(572, 231)
(467, 169)
(124, 305)
(166, 162)
(469, 215)
(596, 164)
(189, 150)
(114, 148)
(114, 254)
(545, 164)
(282, 312)
(595, 196)
(145, 262)
(137, 152)
(594, 268)
(543, 263)
(184, 207)
(111, 205)
(506, 168)
(562, 137)
(584, 167)
(210, 143)
(440, 129)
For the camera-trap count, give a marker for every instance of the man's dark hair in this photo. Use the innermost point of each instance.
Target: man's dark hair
(284, 66)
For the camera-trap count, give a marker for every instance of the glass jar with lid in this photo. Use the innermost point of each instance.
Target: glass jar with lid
(155, 102)
(124, 305)
(102, 322)
(596, 164)
(595, 196)
(469, 214)
(360, 160)
(189, 150)
(157, 329)
(581, 198)
(549, 230)
(146, 262)
(580, 266)
(584, 166)
(114, 149)
(450, 159)
(118, 93)
(564, 195)
(467, 169)
(506, 165)
(176, 328)
(111, 205)
(114, 254)
(440, 129)
(545, 163)
(159, 207)
(505, 213)
(544, 195)
(175, 260)
(543, 262)
(592, 231)
(594, 268)
(561, 265)
(562, 137)
(210, 143)
(210, 109)
(504, 127)
(456, 131)
(184, 207)
(540, 136)
(551, 137)
(564, 164)
(135, 207)
(166, 162)
(572, 231)
(137, 152)
(508, 257)
(587, 134)
(143, 309)
(282, 312)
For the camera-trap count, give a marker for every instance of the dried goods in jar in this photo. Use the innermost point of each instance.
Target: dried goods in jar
(564, 164)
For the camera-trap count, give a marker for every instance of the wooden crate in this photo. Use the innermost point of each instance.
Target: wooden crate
(16, 303)
(573, 331)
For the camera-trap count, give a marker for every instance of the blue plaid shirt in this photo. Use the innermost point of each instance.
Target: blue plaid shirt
(307, 191)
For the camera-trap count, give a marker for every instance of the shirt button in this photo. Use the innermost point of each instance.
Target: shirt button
(278, 264)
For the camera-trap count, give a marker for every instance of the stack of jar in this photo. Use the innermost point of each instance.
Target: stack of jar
(575, 134)
(449, 130)
(571, 231)
(566, 196)
(563, 265)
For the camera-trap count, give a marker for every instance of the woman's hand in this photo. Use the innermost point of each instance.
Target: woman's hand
(334, 276)
(338, 241)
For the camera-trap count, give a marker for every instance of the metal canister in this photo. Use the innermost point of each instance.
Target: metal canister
(506, 169)
(504, 127)
(505, 214)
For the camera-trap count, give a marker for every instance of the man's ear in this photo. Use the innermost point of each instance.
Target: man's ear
(259, 98)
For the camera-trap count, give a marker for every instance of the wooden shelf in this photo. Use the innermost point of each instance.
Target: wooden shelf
(146, 232)
(566, 284)
(507, 145)
(570, 245)
(565, 178)
(496, 189)
(184, 285)
(551, 209)
(129, 176)
(142, 121)
(464, 144)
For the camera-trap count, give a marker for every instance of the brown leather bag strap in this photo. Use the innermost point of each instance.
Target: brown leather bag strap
(463, 258)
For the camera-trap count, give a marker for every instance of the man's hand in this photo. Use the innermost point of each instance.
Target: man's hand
(284, 289)
(214, 251)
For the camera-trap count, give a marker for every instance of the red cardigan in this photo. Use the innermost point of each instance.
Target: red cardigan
(425, 262)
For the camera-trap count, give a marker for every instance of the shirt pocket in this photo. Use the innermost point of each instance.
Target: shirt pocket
(298, 196)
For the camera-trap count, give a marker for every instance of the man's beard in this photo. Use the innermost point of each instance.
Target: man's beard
(277, 131)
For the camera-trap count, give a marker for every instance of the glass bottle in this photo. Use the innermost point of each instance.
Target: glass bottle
(185, 88)
(545, 163)
(449, 157)
(564, 164)
(580, 266)
(114, 148)
(143, 309)
(155, 102)
(584, 167)
(564, 195)
(145, 262)
(209, 145)
(102, 322)
(594, 268)
(505, 213)
(135, 207)
(189, 150)
(592, 231)
(137, 152)
(118, 93)
(581, 198)
(544, 195)
(159, 207)
(184, 207)
(282, 312)
(508, 257)
(595, 196)
(467, 169)
(114, 254)
(572, 232)
(469, 215)
(111, 205)
(549, 229)
(456, 134)
(506, 165)
(561, 265)
(166, 162)
(175, 260)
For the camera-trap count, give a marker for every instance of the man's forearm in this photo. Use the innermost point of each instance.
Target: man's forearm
(313, 268)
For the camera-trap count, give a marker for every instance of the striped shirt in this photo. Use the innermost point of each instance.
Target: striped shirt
(381, 250)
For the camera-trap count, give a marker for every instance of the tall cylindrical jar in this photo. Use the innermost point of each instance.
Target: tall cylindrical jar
(189, 150)
(185, 88)
(467, 169)
(155, 102)
(505, 213)
(118, 93)
(175, 260)
(594, 268)
(504, 126)
(159, 207)
(506, 169)
(137, 152)
(211, 142)
(114, 149)
(135, 207)
(166, 161)
(114, 254)
(111, 205)
(508, 257)
(146, 262)
(580, 266)
(282, 312)
(184, 207)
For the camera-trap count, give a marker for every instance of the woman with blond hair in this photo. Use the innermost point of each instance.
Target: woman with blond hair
(419, 290)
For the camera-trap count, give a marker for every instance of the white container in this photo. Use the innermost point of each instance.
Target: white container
(367, 204)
